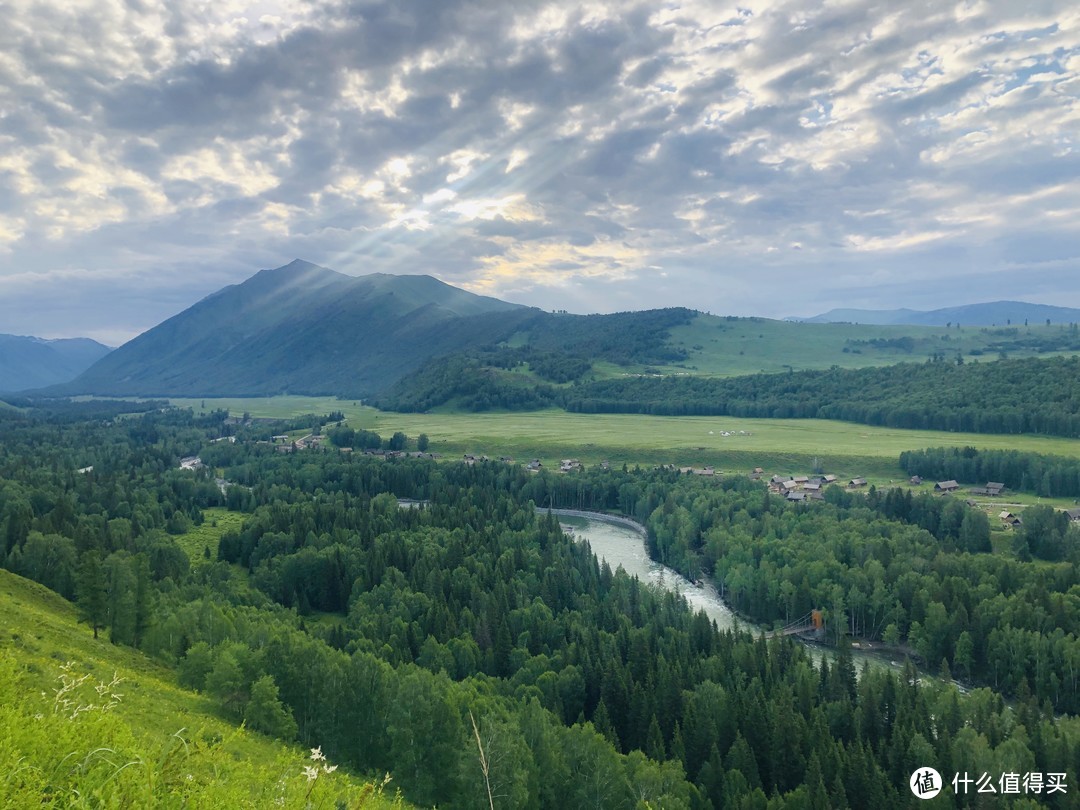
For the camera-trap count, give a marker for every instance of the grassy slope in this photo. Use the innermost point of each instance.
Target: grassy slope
(159, 745)
(730, 347)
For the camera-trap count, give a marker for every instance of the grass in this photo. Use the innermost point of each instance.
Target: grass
(779, 445)
(217, 521)
(159, 745)
(729, 347)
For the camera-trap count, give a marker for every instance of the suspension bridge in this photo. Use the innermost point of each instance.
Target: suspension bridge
(812, 622)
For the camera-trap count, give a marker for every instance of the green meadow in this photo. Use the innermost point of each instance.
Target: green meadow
(203, 539)
(778, 445)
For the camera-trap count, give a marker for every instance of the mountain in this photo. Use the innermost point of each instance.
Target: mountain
(301, 329)
(994, 313)
(30, 362)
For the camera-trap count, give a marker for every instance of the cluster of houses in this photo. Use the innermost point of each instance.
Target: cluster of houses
(565, 466)
(706, 471)
(800, 488)
(992, 488)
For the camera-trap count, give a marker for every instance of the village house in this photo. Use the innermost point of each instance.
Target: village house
(1073, 514)
(855, 483)
(534, 465)
(915, 481)
(994, 488)
(828, 479)
(946, 486)
(1009, 520)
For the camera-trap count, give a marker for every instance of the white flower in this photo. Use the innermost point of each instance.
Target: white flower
(311, 773)
(329, 768)
(317, 754)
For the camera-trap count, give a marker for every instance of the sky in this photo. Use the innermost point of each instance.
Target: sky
(758, 158)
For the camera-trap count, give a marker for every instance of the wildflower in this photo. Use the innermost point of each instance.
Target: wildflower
(329, 768)
(311, 773)
(317, 754)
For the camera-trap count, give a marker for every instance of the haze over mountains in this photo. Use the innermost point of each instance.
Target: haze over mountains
(30, 362)
(994, 313)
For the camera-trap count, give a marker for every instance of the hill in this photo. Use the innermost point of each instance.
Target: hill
(301, 329)
(31, 362)
(304, 329)
(138, 740)
(994, 313)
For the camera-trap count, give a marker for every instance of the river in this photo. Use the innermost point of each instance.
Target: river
(621, 542)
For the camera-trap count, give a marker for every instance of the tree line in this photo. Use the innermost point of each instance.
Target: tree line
(1046, 475)
(1039, 396)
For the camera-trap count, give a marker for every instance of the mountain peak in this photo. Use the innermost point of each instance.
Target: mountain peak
(303, 328)
(295, 268)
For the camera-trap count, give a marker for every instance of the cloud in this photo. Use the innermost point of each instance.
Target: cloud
(766, 158)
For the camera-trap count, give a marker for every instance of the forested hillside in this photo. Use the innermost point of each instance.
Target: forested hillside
(382, 634)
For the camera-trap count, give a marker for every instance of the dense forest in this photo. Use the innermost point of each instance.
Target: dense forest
(1007, 396)
(1045, 475)
(406, 640)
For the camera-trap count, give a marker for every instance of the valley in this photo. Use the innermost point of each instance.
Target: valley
(782, 445)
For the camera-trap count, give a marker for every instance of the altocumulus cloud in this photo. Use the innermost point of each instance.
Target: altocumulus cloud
(760, 158)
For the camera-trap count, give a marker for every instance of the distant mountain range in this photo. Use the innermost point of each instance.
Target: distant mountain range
(995, 313)
(30, 362)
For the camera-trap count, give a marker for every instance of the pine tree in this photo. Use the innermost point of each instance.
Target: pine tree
(602, 721)
(654, 741)
(91, 595)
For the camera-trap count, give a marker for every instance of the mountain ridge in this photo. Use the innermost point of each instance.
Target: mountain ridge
(34, 362)
(989, 313)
